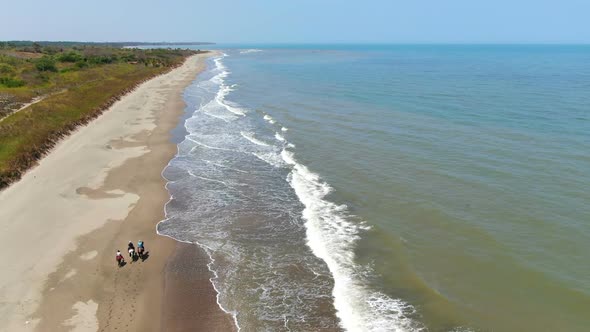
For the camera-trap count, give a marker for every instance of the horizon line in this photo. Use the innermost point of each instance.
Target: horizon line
(298, 43)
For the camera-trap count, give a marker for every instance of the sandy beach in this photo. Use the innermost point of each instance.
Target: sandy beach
(62, 223)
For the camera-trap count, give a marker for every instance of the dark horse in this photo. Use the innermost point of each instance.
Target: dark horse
(120, 260)
(132, 254)
(140, 252)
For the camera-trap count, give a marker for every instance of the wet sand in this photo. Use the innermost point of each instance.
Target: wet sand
(187, 294)
(98, 189)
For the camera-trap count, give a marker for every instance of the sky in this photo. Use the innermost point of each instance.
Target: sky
(300, 21)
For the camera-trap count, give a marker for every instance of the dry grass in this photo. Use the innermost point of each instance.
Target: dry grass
(23, 55)
(28, 135)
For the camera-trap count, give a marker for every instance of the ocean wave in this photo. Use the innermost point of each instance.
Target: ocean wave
(224, 166)
(209, 179)
(224, 89)
(270, 158)
(216, 116)
(210, 108)
(327, 228)
(206, 146)
(269, 119)
(210, 264)
(250, 137)
(219, 64)
(279, 137)
(248, 51)
(218, 81)
(332, 236)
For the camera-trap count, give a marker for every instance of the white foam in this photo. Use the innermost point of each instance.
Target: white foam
(270, 158)
(288, 157)
(234, 314)
(216, 116)
(210, 105)
(218, 64)
(332, 237)
(224, 89)
(208, 250)
(252, 50)
(279, 137)
(269, 119)
(224, 166)
(250, 137)
(207, 146)
(208, 179)
(218, 79)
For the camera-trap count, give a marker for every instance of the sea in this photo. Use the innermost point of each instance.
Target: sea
(390, 187)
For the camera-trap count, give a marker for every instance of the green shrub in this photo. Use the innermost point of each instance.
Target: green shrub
(128, 57)
(70, 57)
(102, 59)
(10, 60)
(42, 77)
(50, 50)
(6, 69)
(81, 64)
(46, 63)
(68, 69)
(37, 48)
(10, 82)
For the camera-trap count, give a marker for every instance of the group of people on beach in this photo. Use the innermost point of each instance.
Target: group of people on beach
(133, 254)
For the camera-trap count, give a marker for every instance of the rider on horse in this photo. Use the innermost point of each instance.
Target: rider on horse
(140, 248)
(131, 249)
(119, 257)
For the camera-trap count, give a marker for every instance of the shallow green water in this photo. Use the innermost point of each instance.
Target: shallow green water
(470, 164)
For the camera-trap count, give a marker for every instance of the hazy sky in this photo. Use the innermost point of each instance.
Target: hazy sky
(311, 21)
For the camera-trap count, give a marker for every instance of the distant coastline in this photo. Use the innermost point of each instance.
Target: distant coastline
(20, 43)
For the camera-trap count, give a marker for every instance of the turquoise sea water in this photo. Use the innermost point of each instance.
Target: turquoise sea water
(408, 187)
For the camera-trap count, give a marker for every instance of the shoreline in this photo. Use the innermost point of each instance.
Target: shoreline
(98, 189)
(187, 281)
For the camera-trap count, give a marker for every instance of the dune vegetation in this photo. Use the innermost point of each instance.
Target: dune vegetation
(47, 91)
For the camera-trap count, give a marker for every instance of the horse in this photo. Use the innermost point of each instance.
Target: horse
(140, 251)
(120, 260)
(132, 254)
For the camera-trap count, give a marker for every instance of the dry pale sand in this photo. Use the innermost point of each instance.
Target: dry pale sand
(61, 224)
